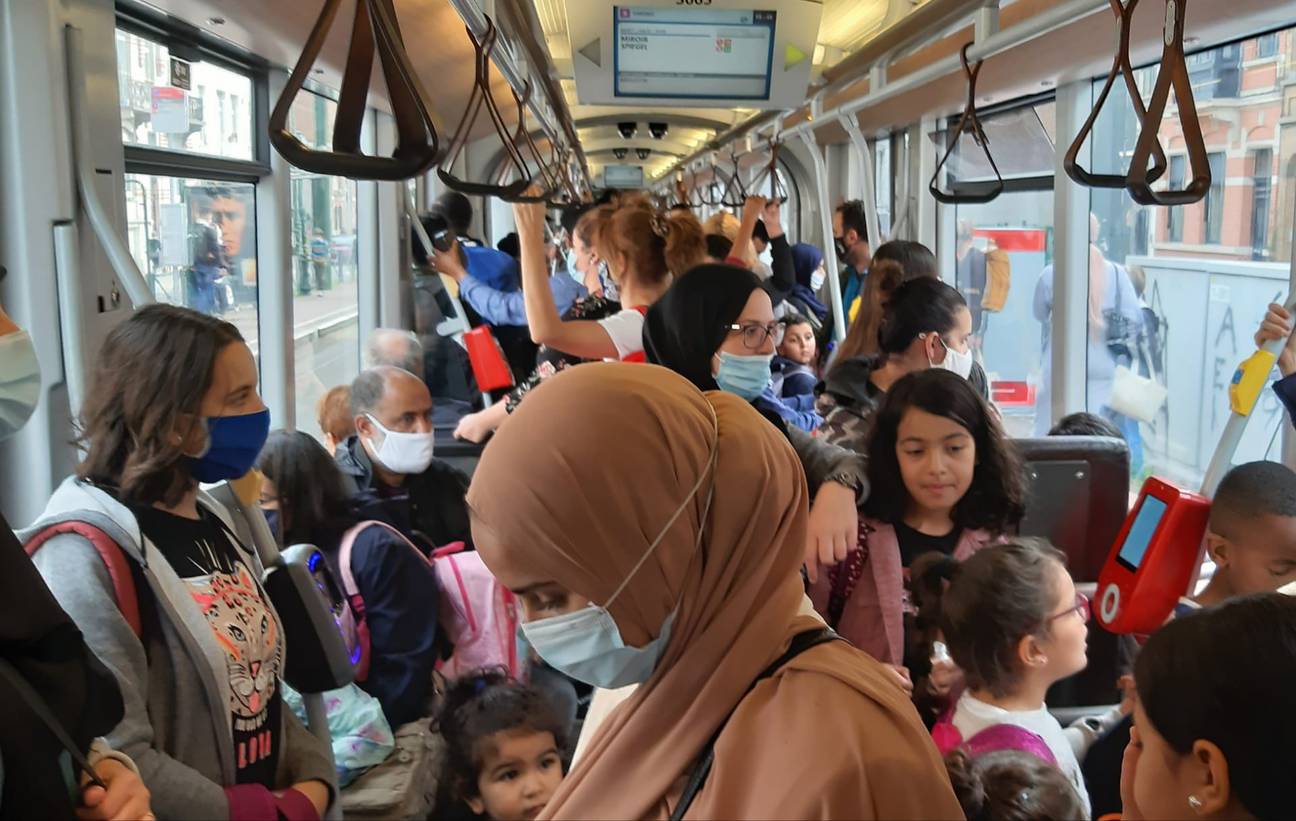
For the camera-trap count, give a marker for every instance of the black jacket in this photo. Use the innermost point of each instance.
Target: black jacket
(429, 509)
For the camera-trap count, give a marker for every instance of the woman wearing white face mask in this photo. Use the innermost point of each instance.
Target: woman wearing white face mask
(687, 585)
(926, 325)
(19, 377)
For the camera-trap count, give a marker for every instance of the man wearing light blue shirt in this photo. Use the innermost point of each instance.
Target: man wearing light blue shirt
(488, 283)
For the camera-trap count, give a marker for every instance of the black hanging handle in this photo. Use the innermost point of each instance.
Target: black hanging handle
(1172, 73)
(968, 122)
(1120, 65)
(480, 97)
(375, 31)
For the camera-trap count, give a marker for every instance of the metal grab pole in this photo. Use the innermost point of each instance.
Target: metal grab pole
(118, 256)
(1254, 378)
(851, 125)
(825, 219)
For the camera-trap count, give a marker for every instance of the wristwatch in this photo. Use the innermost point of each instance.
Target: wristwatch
(848, 479)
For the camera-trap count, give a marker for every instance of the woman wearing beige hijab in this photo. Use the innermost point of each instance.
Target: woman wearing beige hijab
(653, 534)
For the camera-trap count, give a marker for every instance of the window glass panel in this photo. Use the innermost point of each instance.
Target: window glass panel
(214, 116)
(1021, 144)
(195, 243)
(326, 326)
(1193, 286)
(1002, 249)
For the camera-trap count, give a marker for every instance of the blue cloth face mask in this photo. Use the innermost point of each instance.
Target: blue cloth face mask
(746, 376)
(233, 444)
(586, 644)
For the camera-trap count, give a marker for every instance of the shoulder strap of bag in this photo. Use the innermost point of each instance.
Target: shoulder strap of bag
(801, 642)
(119, 569)
(349, 586)
(42, 711)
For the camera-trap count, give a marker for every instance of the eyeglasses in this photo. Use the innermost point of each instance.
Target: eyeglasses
(754, 334)
(1081, 606)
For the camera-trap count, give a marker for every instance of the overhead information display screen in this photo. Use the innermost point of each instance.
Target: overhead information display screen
(692, 53)
(623, 176)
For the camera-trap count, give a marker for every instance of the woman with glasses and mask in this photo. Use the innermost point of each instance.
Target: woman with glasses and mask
(716, 328)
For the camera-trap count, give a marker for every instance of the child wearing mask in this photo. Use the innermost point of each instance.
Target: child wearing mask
(793, 367)
(1015, 625)
(944, 479)
(1212, 730)
(505, 746)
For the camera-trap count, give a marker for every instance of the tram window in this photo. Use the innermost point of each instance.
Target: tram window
(213, 116)
(1001, 249)
(195, 241)
(1200, 276)
(326, 326)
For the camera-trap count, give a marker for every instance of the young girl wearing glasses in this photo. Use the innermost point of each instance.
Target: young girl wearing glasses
(1015, 625)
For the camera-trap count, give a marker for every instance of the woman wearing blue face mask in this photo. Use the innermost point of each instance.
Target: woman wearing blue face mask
(197, 650)
(716, 327)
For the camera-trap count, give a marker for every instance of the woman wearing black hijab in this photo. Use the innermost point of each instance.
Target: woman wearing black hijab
(715, 326)
(48, 673)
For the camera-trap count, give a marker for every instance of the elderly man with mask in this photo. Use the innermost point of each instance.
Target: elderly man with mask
(389, 462)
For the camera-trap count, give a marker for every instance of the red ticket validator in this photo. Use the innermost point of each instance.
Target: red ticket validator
(489, 367)
(1154, 559)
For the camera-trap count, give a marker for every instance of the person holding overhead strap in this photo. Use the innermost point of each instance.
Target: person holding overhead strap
(642, 249)
(689, 587)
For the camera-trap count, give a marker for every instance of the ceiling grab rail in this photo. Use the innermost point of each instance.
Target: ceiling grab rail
(1173, 72)
(968, 122)
(481, 96)
(871, 222)
(777, 192)
(1120, 65)
(375, 31)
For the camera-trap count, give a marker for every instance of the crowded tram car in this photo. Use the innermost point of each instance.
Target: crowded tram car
(647, 409)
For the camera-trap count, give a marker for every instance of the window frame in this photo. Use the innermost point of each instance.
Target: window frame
(1037, 182)
(190, 43)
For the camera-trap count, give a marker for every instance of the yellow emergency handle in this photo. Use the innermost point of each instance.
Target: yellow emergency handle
(1249, 380)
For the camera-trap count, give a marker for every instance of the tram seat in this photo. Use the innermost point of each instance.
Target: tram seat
(1078, 495)
(1077, 498)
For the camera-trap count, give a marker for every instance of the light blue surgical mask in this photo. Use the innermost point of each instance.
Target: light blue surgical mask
(746, 376)
(610, 289)
(20, 382)
(586, 644)
(572, 270)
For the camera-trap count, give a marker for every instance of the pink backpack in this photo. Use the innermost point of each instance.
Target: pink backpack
(477, 613)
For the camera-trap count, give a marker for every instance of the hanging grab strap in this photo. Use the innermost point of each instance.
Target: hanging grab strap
(735, 193)
(1120, 65)
(1173, 72)
(777, 193)
(375, 31)
(481, 95)
(980, 193)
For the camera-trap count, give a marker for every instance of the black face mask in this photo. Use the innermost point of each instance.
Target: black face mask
(842, 250)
